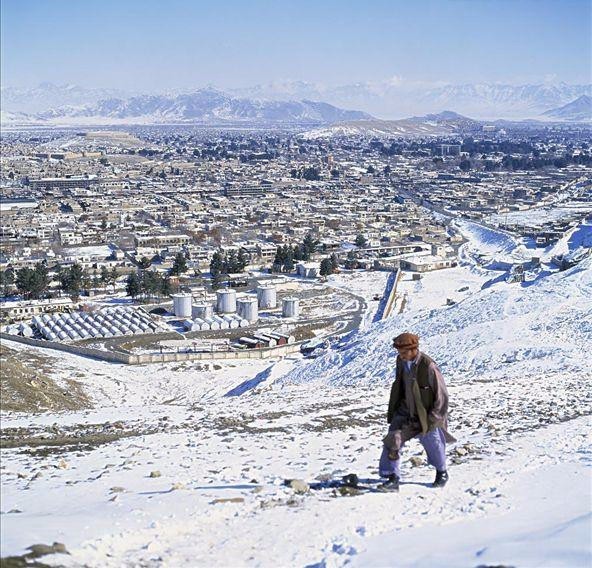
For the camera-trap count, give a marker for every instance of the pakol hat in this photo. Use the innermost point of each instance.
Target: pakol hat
(406, 341)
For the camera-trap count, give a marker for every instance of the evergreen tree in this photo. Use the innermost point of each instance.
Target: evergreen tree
(85, 282)
(326, 267)
(216, 264)
(6, 280)
(242, 261)
(144, 263)
(361, 241)
(32, 282)
(297, 252)
(179, 264)
(105, 276)
(71, 280)
(277, 261)
(132, 285)
(150, 283)
(311, 174)
(288, 264)
(308, 246)
(231, 262)
(113, 276)
(352, 260)
(166, 288)
(465, 165)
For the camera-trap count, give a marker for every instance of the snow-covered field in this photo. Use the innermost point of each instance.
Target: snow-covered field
(198, 478)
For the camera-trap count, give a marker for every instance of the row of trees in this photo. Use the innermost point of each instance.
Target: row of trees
(231, 262)
(149, 284)
(309, 173)
(525, 163)
(34, 283)
(286, 255)
(179, 264)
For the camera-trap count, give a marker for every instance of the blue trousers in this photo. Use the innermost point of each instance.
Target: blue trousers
(434, 445)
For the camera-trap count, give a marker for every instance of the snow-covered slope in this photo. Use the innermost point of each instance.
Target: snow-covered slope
(579, 110)
(183, 464)
(386, 128)
(503, 331)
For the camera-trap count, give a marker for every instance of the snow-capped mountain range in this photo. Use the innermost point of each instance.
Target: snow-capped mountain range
(394, 99)
(294, 102)
(48, 95)
(208, 106)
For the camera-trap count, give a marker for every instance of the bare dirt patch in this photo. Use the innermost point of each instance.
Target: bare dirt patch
(26, 385)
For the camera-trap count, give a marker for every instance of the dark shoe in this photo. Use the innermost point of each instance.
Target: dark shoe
(392, 484)
(350, 480)
(441, 479)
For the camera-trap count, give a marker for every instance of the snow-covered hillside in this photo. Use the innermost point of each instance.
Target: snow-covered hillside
(183, 464)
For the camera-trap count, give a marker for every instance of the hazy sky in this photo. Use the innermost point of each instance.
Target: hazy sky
(160, 44)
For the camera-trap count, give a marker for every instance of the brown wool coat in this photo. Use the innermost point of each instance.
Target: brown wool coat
(431, 412)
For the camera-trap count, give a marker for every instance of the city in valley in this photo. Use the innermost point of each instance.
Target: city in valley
(294, 284)
(151, 274)
(223, 239)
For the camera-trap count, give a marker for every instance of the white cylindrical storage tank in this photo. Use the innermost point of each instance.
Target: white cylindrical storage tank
(232, 322)
(182, 305)
(25, 330)
(214, 325)
(290, 307)
(221, 321)
(267, 296)
(187, 325)
(202, 311)
(62, 334)
(247, 308)
(226, 301)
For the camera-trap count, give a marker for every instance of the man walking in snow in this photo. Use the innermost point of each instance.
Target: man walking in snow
(418, 407)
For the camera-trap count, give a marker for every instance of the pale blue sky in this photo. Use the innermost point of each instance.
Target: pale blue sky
(155, 45)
